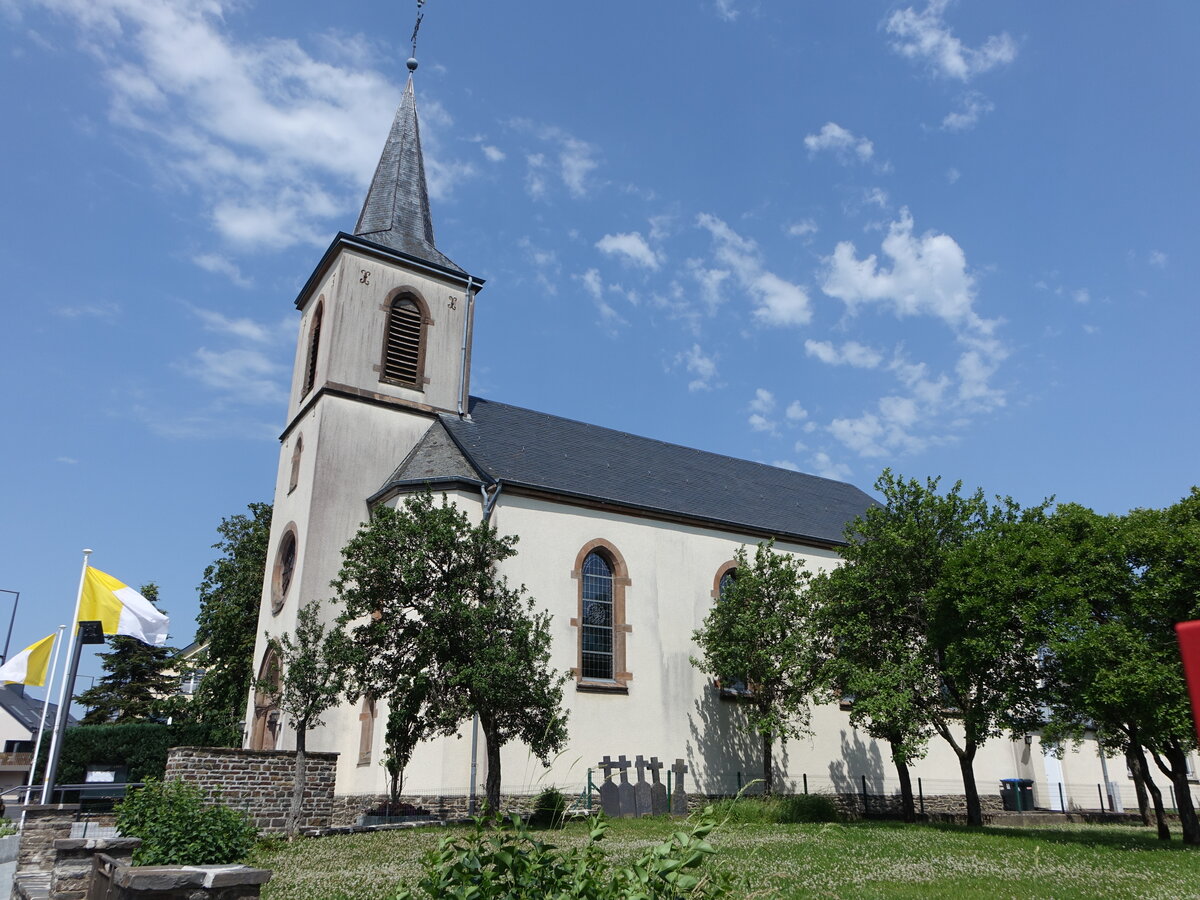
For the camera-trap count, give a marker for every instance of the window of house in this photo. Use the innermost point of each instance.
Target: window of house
(314, 345)
(601, 620)
(189, 681)
(285, 569)
(404, 342)
(294, 478)
(366, 730)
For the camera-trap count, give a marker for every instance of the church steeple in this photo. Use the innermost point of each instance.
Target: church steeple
(396, 211)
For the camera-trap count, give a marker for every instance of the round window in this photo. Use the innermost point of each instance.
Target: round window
(285, 568)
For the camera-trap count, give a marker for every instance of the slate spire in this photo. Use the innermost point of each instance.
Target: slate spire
(396, 211)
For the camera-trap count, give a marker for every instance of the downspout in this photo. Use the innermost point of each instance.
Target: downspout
(468, 314)
(489, 503)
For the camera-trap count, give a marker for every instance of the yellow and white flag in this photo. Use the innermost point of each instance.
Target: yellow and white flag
(121, 609)
(30, 665)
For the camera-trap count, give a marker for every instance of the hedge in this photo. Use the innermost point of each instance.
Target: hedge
(141, 747)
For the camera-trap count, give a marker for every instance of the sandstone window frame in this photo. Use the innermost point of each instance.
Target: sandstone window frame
(283, 571)
(728, 688)
(314, 348)
(297, 453)
(368, 712)
(405, 340)
(621, 676)
(264, 729)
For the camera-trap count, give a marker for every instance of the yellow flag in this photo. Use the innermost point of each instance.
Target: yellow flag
(30, 665)
(121, 609)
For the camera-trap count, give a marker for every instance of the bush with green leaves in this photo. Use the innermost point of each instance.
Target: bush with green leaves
(140, 747)
(507, 863)
(778, 810)
(549, 808)
(180, 826)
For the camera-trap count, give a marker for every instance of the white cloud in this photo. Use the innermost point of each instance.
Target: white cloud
(842, 143)
(796, 412)
(777, 301)
(699, 365)
(1158, 259)
(928, 276)
(545, 264)
(711, 282)
(592, 283)
(275, 140)
(67, 460)
(632, 247)
(1081, 296)
(786, 464)
(493, 154)
(826, 467)
(570, 159)
(851, 353)
(246, 329)
(925, 36)
(760, 422)
(727, 9)
(100, 310)
(803, 228)
(220, 265)
(244, 376)
(974, 105)
(952, 175)
(763, 402)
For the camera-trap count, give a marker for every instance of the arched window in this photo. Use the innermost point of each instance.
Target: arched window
(366, 732)
(285, 569)
(404, 343)
(730, 685)
(596, 619)
(297, 451)
(264, 731)
(602, 578)
(314, 346)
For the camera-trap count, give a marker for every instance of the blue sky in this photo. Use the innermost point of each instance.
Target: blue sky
(953, 238)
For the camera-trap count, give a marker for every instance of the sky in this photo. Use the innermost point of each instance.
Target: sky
(952, 238)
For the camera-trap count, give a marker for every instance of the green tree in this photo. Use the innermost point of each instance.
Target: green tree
(760, 632)
(136, 687)
(929, 622)
(312, 682)
(406, 727)
(228, 621)
(422, 597)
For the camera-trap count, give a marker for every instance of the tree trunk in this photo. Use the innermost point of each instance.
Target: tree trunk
(293, 820)
(768, 774)
(907, 809)
(1183, 798)
(492, 749)
(1139, 784)
(1160, 813)
(966, 762)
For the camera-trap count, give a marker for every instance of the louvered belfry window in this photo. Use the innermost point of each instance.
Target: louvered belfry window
(314, 346)
(402, 349)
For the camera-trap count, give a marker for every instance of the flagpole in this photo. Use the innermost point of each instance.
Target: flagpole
(64, 695)
(37, 746)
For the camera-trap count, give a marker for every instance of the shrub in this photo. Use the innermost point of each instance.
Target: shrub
(549, 808)
(778, 810)
(387, 808)
(508, 863)
(179, 826)
(140, 746)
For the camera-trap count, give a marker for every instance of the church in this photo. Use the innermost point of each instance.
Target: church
(624, 540)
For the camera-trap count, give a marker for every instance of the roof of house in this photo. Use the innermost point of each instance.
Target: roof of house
(25, 709)
(523, 448)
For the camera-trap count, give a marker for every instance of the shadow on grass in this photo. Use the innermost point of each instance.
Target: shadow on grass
(1114, 837)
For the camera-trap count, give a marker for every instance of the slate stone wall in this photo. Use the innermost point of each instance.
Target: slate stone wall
(75, 860)
(259, 782)
(43, 826)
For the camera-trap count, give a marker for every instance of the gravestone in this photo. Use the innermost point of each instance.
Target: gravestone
(628, 801)
(658, 790)
(678, 792)
(641, 790)
(610, 794)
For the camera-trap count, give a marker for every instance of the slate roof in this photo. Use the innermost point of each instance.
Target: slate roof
(524, 448)
(26, 709)
(396, 211)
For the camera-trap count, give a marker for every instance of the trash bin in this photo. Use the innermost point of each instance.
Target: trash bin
(1017, 794)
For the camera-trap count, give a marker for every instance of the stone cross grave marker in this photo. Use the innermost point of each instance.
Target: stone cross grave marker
(658, 790)
(610, 795)
(641, 790)
(678, 793)
(628, 802)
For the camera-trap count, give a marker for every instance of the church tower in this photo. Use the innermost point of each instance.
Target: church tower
(384, 347)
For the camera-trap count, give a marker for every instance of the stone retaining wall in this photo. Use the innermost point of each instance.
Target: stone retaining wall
(259, 782)
(74, 861)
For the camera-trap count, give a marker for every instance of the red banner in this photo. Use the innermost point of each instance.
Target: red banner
(1189, 649)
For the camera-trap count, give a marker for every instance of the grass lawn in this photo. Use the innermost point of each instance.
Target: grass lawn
(864, 859)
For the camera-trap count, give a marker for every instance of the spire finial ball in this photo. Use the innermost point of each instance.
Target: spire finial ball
(412, 64)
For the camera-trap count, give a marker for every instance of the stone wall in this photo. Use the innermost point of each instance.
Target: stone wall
(259, 782)
(348, 807)
(41, 827)
(74, 862)
(115, 880)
